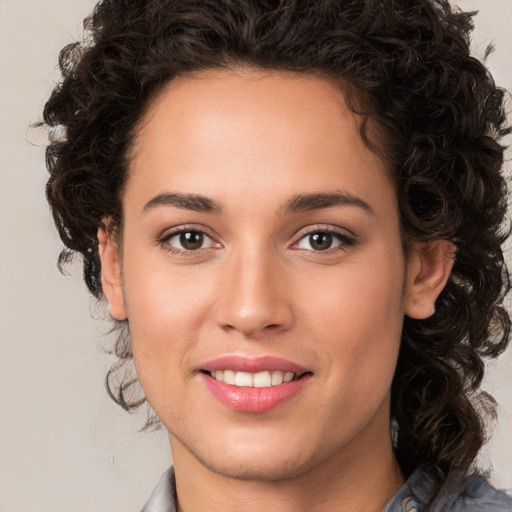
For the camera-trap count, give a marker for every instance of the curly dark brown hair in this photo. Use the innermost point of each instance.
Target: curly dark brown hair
(406, 66)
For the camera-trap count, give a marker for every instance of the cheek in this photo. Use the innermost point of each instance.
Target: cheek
(358, 318)
(165, 309)
(159, 294)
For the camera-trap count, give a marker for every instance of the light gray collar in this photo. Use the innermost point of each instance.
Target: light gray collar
(163, 498)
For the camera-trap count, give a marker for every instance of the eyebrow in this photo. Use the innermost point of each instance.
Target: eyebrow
(298, 203)
(193, 202)
(318, 201)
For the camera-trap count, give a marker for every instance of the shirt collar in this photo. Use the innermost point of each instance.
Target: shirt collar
(163, 498)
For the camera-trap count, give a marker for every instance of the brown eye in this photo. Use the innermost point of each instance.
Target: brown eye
(188, 241)
(191, 240)
(320, 241)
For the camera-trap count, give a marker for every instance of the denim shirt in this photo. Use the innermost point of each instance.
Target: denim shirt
(471, 494)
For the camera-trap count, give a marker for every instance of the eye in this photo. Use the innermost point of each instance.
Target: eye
(323, 241)
(188, 240)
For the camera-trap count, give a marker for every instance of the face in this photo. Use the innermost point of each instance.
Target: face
(262, 273)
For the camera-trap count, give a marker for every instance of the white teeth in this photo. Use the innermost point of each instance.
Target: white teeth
(277, 378)
(257, 380)
(262, 380)
(243, 379)
(229, 377)
(288, 376)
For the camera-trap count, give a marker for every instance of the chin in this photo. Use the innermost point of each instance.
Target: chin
(253, 463)
(254, 471)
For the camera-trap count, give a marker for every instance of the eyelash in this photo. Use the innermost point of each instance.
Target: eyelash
(164, 241)
(344, 239)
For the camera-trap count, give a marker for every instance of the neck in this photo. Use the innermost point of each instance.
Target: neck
(352, 480)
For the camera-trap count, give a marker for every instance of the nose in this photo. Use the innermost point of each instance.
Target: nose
(254, 297)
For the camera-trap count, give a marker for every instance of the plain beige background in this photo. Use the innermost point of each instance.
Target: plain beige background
(64, 447)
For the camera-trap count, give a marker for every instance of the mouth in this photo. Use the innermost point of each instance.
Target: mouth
(262, 379)
(254, 385)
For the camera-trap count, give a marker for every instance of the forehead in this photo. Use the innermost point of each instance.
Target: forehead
(214, 132)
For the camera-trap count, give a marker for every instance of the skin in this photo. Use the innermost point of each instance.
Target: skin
(250, 141)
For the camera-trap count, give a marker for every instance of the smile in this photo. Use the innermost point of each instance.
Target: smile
(263, 379)
(254, 384)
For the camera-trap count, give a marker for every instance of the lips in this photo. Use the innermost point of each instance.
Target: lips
(253, 384)
(253, 364)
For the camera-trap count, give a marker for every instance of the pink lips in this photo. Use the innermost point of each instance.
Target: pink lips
(249, 399)
(253, 364)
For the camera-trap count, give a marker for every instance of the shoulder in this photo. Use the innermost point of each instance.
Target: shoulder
(421, 493)
(472, 494)
(476, 494)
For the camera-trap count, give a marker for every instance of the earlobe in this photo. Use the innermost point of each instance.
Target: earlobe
(111, 275)
(427, 274)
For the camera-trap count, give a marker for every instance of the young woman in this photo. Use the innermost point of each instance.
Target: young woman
(295, 212)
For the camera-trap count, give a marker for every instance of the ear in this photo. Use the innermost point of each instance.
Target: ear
(111, 280)
(428, 271)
